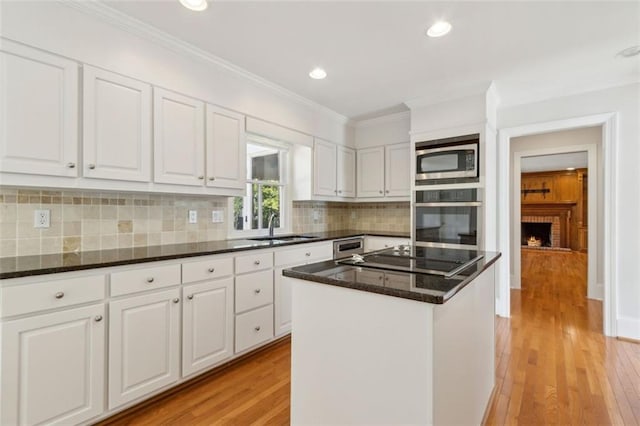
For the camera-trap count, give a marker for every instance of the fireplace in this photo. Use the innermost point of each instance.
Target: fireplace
(536, 234)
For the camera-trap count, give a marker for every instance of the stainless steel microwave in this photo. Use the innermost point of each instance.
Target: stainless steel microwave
(449, 160)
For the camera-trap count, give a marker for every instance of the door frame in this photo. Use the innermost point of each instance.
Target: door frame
(609, 122)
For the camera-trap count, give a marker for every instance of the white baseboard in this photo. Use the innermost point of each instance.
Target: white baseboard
(596, 293)
(628, 327)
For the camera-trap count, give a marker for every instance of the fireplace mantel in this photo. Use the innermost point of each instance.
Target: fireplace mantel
(563, 211)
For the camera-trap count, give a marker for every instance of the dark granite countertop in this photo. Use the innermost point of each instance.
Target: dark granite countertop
(415, 286)
(23, 266)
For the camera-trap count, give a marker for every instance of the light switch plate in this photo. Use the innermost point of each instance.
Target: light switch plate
(193, 216)
(217, 216)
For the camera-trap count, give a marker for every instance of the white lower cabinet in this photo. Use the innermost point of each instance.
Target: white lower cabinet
(53, 367)
(254, 327)
(144, 345)
(207, 324)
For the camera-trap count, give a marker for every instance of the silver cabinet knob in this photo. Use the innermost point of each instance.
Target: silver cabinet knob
(387, 191)
(212, 178)
(339, 191)
(150, 279)
(308, 254)
(257, 262)
(190, 297)
(59, 295)
(380, 191)
(201, 177)
(71, 165)
(211, 270)
(176, 300)
(97, 318)
(257, 328)
(257, 291)
(92, 166)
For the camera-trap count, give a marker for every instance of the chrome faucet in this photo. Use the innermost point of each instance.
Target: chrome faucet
(272, 223)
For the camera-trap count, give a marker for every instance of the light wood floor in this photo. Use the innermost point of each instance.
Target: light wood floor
(554, 366)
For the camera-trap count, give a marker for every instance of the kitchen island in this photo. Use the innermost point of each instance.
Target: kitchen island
(376, 345)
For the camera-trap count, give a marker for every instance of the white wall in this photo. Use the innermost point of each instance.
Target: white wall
(386, 130)
(624, 100)
(562, 139)
(80, 35)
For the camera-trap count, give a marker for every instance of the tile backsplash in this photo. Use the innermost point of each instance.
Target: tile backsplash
(89, 220)
(85, 220)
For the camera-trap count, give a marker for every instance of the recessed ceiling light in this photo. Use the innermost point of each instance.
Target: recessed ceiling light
(197, 5)
(439, 29)
(629, 52)
(571, 168)
(318, 74)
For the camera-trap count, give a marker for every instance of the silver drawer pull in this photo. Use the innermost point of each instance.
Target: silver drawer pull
(201, 177)
(257, 262)
(256, 291)
(257, 328)
(71, 165)
(211, 269)
(190, 297)
(59, 295)
(150, 279)
(212, 178)
(308, 254)
(92, 166)
(176, 300)
(380, 192)
(98, 318)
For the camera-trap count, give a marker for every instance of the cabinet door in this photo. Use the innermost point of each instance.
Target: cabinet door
(371, 172)
(144, 345)
(116, 126)
(324, 169)
(178, 138)
(207, 325)
(53, 367)
(38, 112)
(226, 149)
(346, 177)
(282, 302)
(397, 170)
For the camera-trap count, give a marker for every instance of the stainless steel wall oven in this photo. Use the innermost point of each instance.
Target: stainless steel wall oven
(448, 218)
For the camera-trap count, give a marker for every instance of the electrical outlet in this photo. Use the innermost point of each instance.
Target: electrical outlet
(316, 215)
(217, 216)
(42, 218)
(193, 216)
(353, 215)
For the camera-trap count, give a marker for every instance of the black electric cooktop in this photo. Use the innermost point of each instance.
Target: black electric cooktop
(425, 260)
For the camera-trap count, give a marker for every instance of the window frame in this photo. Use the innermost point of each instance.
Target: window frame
(284, 158)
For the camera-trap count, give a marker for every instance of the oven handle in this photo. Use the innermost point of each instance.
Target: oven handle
(451, 204)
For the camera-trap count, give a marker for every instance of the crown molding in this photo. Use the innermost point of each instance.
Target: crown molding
(389, 118)
(139, 28)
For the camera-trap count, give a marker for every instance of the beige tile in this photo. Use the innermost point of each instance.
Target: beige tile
(90, 227)
(108, 227)
(154, 238)
(51, 245)
(140, 226)
(139, 240)
(90, 212)
(28, 246)
(140, 212)
(125, 240)
(125, 226)
(26, 230)
(8, 213)
(7, 248)
(71, 228)
(90, 243)
(71, 213)
(108, 212)
(71, 244)
(109, 242)
(125, 212)
(8, 231)
(167, 237)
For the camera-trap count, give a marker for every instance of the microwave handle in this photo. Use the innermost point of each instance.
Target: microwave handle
(473, 146)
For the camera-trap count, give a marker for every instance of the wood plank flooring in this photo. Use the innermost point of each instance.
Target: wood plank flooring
(554, 366)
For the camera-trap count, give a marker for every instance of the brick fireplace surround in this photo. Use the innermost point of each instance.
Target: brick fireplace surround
(555, 227)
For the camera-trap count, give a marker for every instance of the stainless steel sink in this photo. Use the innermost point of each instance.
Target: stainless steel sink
(284, 238)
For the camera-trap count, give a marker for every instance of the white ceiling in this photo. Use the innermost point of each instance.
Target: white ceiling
(544, 163)
(377, 56)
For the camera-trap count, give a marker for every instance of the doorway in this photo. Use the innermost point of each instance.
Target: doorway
(599, 242)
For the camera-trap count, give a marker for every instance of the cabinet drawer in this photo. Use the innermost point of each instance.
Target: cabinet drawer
(207, 269)
(253, 290)
(254, 327)
(23, 299)
(136, 280)
(254, 262)
(303, 254)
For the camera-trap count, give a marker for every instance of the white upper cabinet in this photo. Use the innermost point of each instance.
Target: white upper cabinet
(324, 168)
(371, 172)
(346, 178)
(383, 171)
(178, 138)
(397, 170)
(38, 112)
(226, 149)
(116, 126)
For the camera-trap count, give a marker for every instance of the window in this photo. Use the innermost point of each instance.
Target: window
(265, 189)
